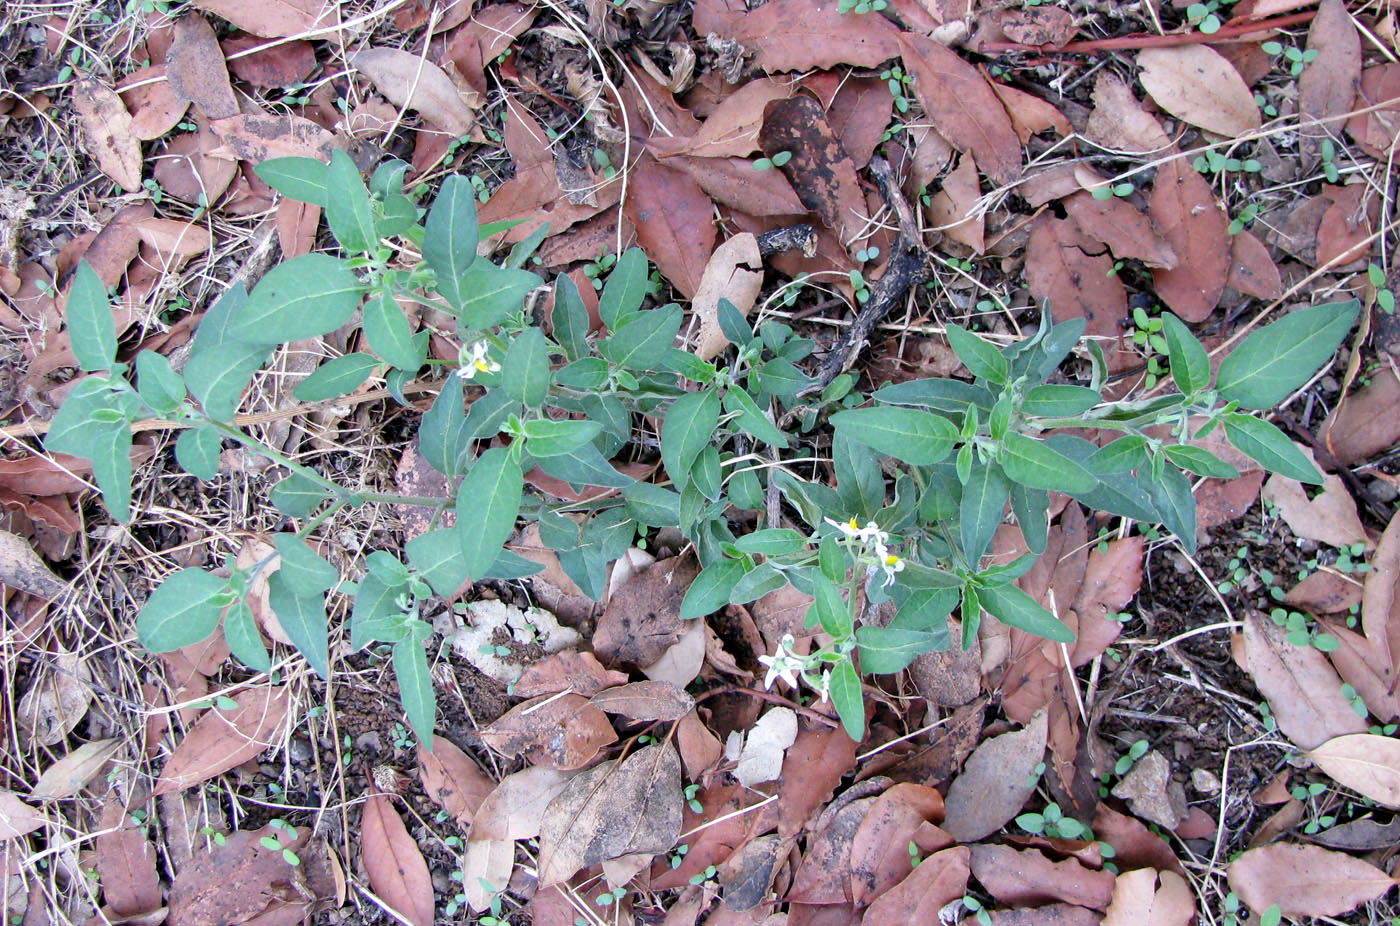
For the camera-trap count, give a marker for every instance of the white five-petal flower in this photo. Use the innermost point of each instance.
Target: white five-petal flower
(782, 664)
(477, 360)
(889, 562)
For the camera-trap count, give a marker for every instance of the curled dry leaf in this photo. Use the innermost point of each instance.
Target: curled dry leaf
(1025, 878)
(107, 129)
(1198, 85)
(996, 781)
(880, 848)
(734, 272)
(1151, 792)
(643, 619)
(397, 871)
(453, 780)
(732, 129)
(611, 810)
(1118, 120)
(762, 756)
(223, 739)
(820, 170)
(1366, 763)
(409, 80)
(69, 775)
(195, 67)
(1305, 880)
(682, 662)
(646, 701)
(1138, 900)
(953, 209)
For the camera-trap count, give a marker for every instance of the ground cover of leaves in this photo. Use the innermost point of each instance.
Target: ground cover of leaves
(1217, 745)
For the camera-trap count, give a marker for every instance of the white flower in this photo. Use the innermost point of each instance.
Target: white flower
(477, 360)
(825, 687)
(782, 664)
(888, 562)
(870, 533)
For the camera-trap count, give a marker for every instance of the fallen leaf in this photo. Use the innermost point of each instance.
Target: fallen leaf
(746, 877)
(1377, 130)
(645, 701)
(58, 697)
(1252, 268)
(1190, 220)
(22, 569)
(246, 874)
(814, 765)
(173, 239)
(188, 168)
(700, 749)
(484, 38)
(1361, 835)
(567, 671)
(453, 780)
(939, 879)
(563, 730)
(798, 35)
(1198, 85)
(764, 746)
(1071, 270)
(1151, 793)
(1030, 115)
(674, 221)
(728, 816)
(1380, 598)
(1345, 233)
(1027, 877)
(257, 137)
(732, 129)
(820, 170)
(276, 18)
(154, 107)
(1119, 122)
(1305, 880)
(860, 113)
(1138, 900)
(1134, 845)
(512, 811)
(962, 106)
(880, 848)
(643, 618)
(1328, 85)
(734, 183)
(126, 864)
(195, 67)
(17, 817)
(1366, 763)
(270, 66)
(682, 661)
(1325, 592)
(996, 782)
(1362, 665)
(1038, 25)
(1363, 424)
(734, 272)
(223, 739)
(1303, 690)
(107, 129)
(70, 774)
(397, 871)
(407, 79)
(1330, 517)
(824, 877)
(953, 209)
(1111, 579)
(613, 809)
(1118, 224)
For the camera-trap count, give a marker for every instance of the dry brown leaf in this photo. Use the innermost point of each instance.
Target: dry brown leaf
(1138, 900)
(1380, 599)
(1252, 268)
(645, 701)
(277, 18)
(1118, 120)
(734, 272)
(188, 169)
(682, 661)
(798, 35)
(17, 817)
(567, 671)
(1328, 85)
(22, 569)
(1040, 25)
(108, 131)
(1071, 270)
(643, 618)
(396, 869)
(221, 740)
(195, 68)
(1366, 763)
(1305, 880)
(1345, 233)
(1198, 85)
(173, 239)
(1377, 130)
(611, 810)
(409, 80)
(953, 209)
(674, 222)
(1364, 424)
(824, 877)
(700, 749)
(1303, 690)
(1118, 224)
(734, 183)
(512, 811)
(69, 775)
(241, 877)
(1325, 592)
(1151, 793)
(564, 730)
(1111, 579)
(257, 137)
(880, 848)
(1190, 220)
(281, 65)
(963, 107)
(732, 129)
(1330, 517)
(154, 107)
(940, 879)
(1025, 878)
(126, 863)
(996, 782)
(1030, 115)
(58, 697)
(1134, 844)
(814, 765)
(453, 780)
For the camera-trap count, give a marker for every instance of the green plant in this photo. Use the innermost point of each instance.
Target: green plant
(1127, 760)
(1053, 823)
(1296, 58)
(567, 402)
(1384, 297)
(861, 6)
(1328, 151)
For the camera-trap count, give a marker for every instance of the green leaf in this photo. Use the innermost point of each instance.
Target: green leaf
(197, 451)
(1119, 493)
(486, 416)
(437, 555)
(1279, 358)
(585, 373)
(947, 395)
(914, 436)
(710, 589)
(1121, 456)
(159, 385)
(388, 568)
(302, 179)
(389, 333)
(184, 609)
(886, 650)
(626, 289)
(487, 504)
(751, 419)
(296, 496)
(745, 490)
(337, 377)
(1015, 608)
(772, 541)
(489, 294)
(1190, 364)
(642, 341)
(416, 689)
(348, 209)
(525, 368)
(756, 583)
(303, 619)
(583, 466)
(690, 366)
(570, 318)
(1259, 440)
(511, 566)
(525, 248)
(302, 568)
(450, 238)
(1035, 464)
(847, 698)
(441, 436)
(686, 430)
(1031, 507)
(217, 375)
(979, 356)
(92, 332)
(653, 505)
(829, 609)
(110, 452)
(926, 610)
(375, 601)
(707, 475)
(244, 640)
(859, 480)
(1176, 506)
(304, 297)
(552, 437)
(1200, 461)
(1059, 401)
(732, 323)
(980, 512)
(779, 377)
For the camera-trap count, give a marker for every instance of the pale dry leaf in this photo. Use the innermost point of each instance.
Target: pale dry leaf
(996, 781)
(453, 780)
(173, 239)
(512, 811)
(259, 137)
(732, 129)
(682, 661)
(1303, 690)
(409, 80)
(397, 871)
(1305, 880)
(17, 817)
(1329, 517)
(564, 731)
(195, 68)
(1138, 900)
(1151, 793)
(953, 209)
(277, 18)
(22, 569)
(57, 700)
(734, 272)
(107, 129)
(1327, 87)
(69, 775)
(567, 671)
(221, 740)
(1030, 878)
(645, 701)
(1366, 763)
(1199, 85)
(1119, 122)
(1380, 599)
(762, 756)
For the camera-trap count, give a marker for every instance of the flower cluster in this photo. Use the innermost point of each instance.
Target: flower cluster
(790, 667)
(875, 543)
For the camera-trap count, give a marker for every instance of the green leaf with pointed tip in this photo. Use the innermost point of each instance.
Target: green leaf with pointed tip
(710, 589)
(511, 566)
(389, 333)
(1176, 506)
(552, 437)
(348, 210)
(450, 238)
(1279, 358)
(653, 505)
(337, 377)
(442, 435)
(437, 555)
(416, 689)
(686, 430)
(1035, 464)
(745, 490)
(1059, 401)
(756, 583)
(1015, 608)
(886, 650)
(302, 568)
(1190, 364)
(244, 640)
(626, 289)
(570, 318)
(829, 609)
(1200, 461)
(583, 466)
(220, 366)
(980, 512)
(304, 297)
(490, 294)
(772, 541)
(303, 618)
(92, 332)
(184, 609)
(157, 382)
(525, 368)
(847, 698)
(926, 610)
(979, 356)
(585, 373)
(375, 601)
(707, 475)
(296, 496)
(1031, 507)
(781, 378)
(642, 341)
(946, 395)
(859, 480)
(487, 504)
(732, 323)
(908, 434)
(197, 451)
(751, 419)
(1261, 441)
(302, 179)
(1121, 456)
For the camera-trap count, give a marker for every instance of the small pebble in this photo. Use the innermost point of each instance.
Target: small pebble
(1205, 781)
(1382, 491)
